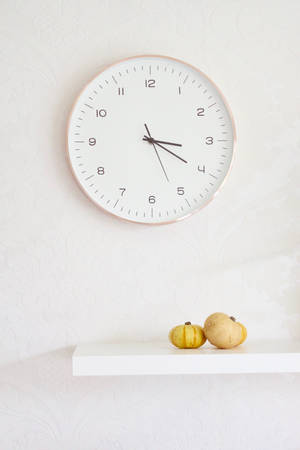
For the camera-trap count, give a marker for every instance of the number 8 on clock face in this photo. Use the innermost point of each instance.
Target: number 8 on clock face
(150, 139)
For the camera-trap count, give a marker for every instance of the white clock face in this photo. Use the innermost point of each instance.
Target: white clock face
(150, 139)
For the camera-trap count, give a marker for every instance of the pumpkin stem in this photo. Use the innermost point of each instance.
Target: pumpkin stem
(232, 318)
(187, 323)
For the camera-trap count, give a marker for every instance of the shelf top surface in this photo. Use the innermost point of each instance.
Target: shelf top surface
(164, 348)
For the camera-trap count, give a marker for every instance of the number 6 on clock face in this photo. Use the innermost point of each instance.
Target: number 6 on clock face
(150, 139)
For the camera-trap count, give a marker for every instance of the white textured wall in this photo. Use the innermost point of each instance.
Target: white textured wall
(71, 274)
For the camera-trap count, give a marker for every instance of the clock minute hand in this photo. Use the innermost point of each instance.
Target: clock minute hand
(169, 151)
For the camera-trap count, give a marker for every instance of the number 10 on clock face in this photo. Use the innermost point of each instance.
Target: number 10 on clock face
(150, 139)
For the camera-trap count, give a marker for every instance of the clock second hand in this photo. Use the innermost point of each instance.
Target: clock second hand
(162, 166)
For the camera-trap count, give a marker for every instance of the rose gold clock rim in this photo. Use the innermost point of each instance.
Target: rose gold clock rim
(196, 210)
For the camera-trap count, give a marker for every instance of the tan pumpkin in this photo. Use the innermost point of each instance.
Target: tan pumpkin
(187, 336)
(223, 331)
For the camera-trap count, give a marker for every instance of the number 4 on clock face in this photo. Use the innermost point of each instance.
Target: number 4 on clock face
(150, 139)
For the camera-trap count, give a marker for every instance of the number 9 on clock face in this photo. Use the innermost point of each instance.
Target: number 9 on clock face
(150, 139)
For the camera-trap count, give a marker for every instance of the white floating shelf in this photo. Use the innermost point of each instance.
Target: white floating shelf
(161, 358)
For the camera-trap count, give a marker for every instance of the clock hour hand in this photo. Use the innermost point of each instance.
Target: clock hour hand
(146, 138)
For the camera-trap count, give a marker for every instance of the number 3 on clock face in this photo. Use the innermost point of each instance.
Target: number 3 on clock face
(150, 139)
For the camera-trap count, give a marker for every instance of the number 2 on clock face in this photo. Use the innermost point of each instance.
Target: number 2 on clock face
(150, 139)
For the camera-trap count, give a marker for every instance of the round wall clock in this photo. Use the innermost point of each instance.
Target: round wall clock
(151, 139)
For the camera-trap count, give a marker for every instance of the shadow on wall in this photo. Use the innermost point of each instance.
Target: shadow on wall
(45, 405)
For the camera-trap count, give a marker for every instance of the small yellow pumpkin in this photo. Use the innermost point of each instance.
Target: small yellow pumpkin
(187, 336)
(244, 333)
(223, 331)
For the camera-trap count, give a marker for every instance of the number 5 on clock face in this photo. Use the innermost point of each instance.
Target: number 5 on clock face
(150, 139)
